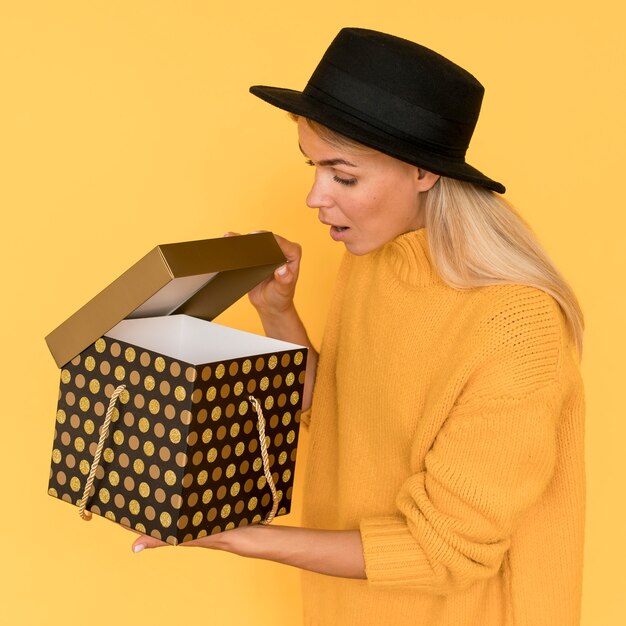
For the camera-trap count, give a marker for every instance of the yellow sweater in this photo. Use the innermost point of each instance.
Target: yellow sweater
(448, 426)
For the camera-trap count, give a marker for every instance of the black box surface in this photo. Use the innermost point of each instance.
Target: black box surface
(183, 455)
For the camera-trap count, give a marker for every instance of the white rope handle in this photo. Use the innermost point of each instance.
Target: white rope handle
(266, 463)
(86, 515)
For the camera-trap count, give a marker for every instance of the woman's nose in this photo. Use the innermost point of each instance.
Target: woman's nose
(318, 197)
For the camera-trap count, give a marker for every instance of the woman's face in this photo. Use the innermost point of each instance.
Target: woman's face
(366, 197)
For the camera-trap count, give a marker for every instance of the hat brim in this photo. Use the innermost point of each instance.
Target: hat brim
(302, 104)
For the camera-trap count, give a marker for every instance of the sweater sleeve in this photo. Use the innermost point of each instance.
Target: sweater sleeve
(493, 457)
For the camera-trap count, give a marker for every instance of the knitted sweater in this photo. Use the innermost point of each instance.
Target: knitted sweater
(448, 426)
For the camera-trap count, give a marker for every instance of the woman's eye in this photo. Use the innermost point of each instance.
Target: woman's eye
(344, 181)
(337, 179)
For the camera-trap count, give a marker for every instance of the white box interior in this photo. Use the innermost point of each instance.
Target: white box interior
(192, 340)
(170, 297)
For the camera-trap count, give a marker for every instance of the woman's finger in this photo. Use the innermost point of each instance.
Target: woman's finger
(290, 248)
(282, 273)
(146, 542)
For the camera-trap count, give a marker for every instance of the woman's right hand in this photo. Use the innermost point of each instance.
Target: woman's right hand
(274, 296)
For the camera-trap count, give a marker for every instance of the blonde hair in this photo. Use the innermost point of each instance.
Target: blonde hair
(476, 238)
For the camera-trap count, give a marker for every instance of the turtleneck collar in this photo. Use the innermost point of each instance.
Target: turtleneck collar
(408, 256)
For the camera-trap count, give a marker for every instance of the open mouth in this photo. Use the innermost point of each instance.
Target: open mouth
(338, 233)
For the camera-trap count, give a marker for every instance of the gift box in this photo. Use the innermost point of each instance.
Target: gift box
(166, 422)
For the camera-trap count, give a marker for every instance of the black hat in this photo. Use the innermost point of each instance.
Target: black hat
(395, 96)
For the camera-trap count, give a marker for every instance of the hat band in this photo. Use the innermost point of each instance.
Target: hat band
(366, 102)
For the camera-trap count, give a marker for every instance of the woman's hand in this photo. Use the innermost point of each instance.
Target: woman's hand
(330, 552)
(238, 541)
(274, 296)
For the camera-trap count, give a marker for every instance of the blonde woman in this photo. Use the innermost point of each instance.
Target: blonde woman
(445, 481)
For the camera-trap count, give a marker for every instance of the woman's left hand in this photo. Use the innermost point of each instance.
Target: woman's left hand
(236, 540)
(330, 552)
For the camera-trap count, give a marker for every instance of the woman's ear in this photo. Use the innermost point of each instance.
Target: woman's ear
(426, 179)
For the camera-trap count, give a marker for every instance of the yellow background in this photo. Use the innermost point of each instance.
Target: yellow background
(124, 124)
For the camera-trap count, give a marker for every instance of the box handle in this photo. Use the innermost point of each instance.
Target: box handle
(86, 515)
(266, 464)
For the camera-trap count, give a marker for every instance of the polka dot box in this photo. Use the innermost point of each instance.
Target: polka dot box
(183, 454)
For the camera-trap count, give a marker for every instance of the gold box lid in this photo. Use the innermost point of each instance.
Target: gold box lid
(198, 278)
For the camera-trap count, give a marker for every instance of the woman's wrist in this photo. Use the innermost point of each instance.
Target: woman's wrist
(274, 316)
(285, 325)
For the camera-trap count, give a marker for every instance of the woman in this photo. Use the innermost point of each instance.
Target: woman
(445, 483)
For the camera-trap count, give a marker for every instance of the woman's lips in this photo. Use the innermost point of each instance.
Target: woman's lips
(339, 233)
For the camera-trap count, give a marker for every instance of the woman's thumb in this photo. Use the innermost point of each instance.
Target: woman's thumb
(282, 273)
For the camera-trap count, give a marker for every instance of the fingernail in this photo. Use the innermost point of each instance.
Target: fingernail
(138, 548)
(282, 270)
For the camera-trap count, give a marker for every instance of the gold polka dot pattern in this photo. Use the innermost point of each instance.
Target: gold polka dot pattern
(183, 460)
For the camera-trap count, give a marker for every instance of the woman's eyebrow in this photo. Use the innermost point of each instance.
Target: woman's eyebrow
(329, 162)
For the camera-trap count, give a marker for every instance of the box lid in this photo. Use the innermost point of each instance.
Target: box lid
(198, 278)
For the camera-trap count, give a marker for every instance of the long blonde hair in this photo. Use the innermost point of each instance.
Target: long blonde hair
(476, 238)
